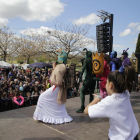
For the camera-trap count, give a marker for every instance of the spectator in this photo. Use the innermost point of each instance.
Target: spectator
(21, 86)
(10, 94)
(28, 100)
(4, 101)
(36, 90)
(48, 84)
(12, 85)
(138, 87)
(16, 88)
(16, 82)
(26, 88)
(11, 74)
(46, 71)
(42, 90)
(77, 83)
(21, 92)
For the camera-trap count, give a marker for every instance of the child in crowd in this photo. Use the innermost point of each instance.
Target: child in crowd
(35, 98)
(21, 86)
(17, 88)
(42, 90)
(28, 101)
(20, 92)
(4, 96)
(117, 106)
(35, 91)
(4, 103)
(48, 84)
(103, 77)
(74, 92)
(138, 87)
(10, 95)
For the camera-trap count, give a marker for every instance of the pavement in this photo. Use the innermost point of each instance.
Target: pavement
(18, 124)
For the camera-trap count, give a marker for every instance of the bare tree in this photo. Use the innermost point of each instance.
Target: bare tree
(27, 46)
(6, 42)
(71, 38)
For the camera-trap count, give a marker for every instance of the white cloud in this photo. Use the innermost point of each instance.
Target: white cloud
(125, 32)
(3, 22)
(117, 46)
(90, 19)
(138, 28)
(30, 10)
(38, 31)
(132, 24)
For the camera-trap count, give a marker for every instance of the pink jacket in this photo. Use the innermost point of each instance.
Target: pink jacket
(16, 102)
(105, 74)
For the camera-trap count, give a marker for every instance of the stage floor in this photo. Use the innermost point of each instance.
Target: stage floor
(19, 124)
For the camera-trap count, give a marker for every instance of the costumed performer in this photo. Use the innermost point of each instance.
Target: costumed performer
(103, 77)
(89, 82)
(115, 62)
(51, 104)
(126, 60)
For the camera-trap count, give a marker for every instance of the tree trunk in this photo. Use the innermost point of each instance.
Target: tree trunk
(4, 57)
(28, 59)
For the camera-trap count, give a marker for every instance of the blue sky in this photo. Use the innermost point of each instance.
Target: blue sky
(24, 14)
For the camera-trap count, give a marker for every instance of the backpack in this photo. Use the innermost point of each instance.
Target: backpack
(70, 76)
(118, 62)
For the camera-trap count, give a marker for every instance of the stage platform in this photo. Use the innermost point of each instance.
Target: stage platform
(19, 124)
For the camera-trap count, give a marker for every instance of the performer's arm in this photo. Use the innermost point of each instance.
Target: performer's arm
(95, 101)
(83, 69)
(22, 100)
(15, 101)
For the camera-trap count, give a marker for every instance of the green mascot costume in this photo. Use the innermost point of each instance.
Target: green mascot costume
(89, 82)
(62, 57)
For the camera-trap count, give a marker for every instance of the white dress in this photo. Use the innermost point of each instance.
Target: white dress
(48, 110)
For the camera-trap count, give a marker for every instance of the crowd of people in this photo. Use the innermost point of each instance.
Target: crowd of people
(16, 82)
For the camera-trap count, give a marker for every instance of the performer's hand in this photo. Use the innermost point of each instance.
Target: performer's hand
(95, 101)
(97, 98)
(54, 64)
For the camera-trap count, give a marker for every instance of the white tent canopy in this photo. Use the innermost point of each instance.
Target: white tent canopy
(4, 64)
(24, 66)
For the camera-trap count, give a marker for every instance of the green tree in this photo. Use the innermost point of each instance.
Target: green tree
(42, 58)
(138, 45)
